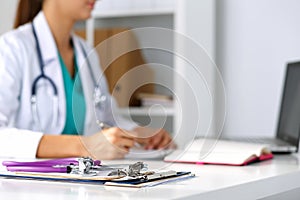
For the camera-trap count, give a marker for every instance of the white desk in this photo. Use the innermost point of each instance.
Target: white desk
(282, 174)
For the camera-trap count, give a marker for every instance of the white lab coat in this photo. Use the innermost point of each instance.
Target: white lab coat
(19, 66)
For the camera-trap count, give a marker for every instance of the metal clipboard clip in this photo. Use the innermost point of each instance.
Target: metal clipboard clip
(137, 169)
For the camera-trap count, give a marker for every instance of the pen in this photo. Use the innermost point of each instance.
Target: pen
(103, 126)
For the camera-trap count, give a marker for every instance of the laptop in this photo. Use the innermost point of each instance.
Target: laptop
(288, 132)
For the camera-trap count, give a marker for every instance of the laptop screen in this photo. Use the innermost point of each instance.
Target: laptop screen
(289, 120)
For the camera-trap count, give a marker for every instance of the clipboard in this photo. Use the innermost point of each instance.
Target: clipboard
(90, 171)
(111, 181)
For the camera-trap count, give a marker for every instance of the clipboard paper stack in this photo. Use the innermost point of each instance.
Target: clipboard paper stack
(87, 170)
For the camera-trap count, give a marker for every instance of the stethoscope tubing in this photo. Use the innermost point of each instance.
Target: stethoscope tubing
(41, 64)
(36, 117)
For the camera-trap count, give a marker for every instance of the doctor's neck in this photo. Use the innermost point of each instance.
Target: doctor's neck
(60, 25)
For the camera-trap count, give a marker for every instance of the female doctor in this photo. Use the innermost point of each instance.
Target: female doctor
(47, 104)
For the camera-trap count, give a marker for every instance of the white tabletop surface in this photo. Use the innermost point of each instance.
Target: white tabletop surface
(259, 180)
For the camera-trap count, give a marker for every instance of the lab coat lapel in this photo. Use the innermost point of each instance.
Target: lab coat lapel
(46, 39)
(52, 66)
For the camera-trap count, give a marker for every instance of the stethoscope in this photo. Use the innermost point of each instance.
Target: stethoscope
(99, 97)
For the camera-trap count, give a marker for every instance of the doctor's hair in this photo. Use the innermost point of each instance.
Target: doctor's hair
(26, 11)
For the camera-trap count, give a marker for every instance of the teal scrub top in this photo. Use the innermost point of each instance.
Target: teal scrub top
(75, 103)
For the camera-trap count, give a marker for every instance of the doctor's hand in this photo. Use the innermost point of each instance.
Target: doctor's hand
(111, 143)
(154, 138)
